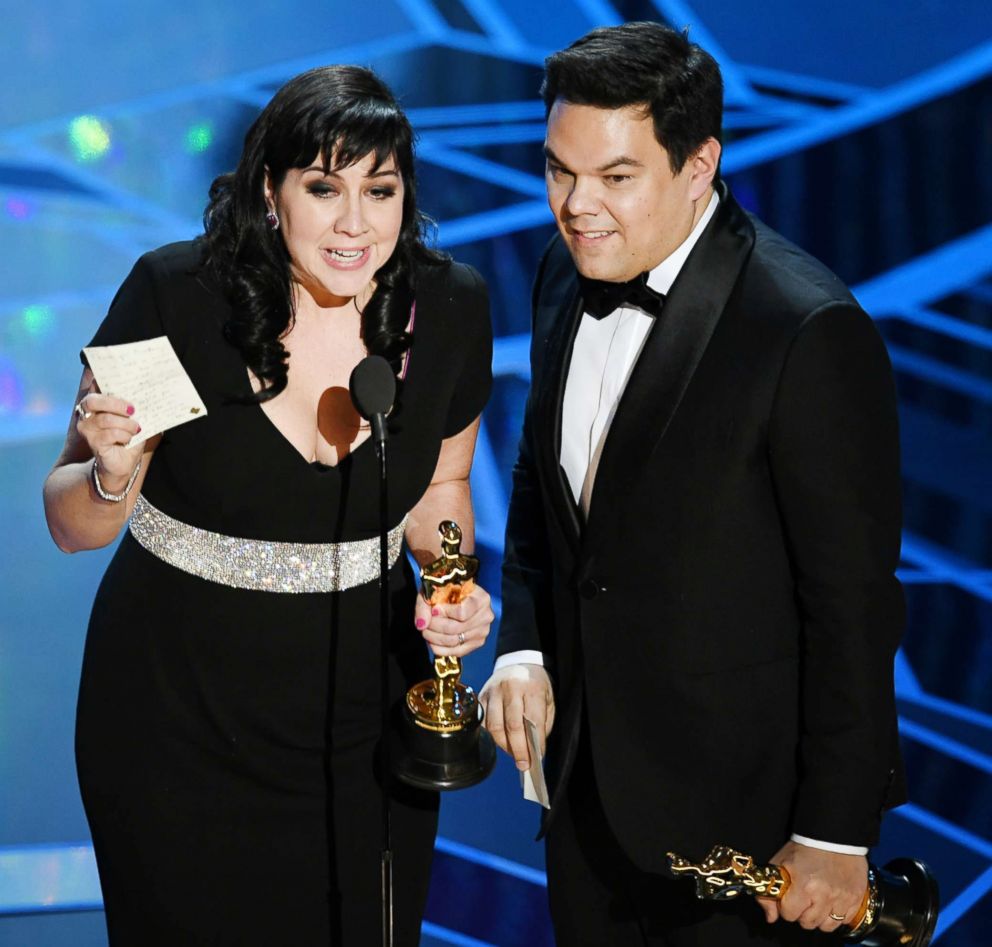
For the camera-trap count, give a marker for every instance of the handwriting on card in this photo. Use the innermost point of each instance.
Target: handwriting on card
(150, 376)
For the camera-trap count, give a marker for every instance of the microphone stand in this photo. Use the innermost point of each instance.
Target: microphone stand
(378, 422)
(373, 388)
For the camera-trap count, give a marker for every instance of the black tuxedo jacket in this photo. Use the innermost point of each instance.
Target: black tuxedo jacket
(729, 614)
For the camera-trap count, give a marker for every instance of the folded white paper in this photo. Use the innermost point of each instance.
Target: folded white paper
(532, 780)
(150, 376)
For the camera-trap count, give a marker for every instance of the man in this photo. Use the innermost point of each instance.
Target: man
(699, 586)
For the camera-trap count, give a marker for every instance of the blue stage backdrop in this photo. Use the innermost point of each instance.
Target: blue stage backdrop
(863, 131)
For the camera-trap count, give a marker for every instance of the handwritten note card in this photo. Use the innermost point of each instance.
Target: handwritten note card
(150, 376)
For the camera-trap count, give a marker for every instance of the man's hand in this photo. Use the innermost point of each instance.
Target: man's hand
(823, 883)
(512, 693)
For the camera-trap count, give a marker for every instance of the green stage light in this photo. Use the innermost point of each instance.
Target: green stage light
(199, 137)
(38, 321)
(89, 138)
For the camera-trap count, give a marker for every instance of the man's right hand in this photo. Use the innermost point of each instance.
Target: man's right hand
(512, 693)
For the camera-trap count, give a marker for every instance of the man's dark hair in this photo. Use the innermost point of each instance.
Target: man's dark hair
(645, 64)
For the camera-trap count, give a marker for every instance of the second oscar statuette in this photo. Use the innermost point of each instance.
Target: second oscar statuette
(899, 907)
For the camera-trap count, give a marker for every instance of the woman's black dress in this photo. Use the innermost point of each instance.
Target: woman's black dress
(225, 736)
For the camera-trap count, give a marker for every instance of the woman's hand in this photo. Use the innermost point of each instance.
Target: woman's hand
(455, 629)
(106, 423)
(78, 514)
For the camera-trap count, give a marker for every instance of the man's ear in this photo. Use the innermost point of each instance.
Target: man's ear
(704, 164)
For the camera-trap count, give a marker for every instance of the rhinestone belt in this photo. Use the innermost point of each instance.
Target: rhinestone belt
(256, 563)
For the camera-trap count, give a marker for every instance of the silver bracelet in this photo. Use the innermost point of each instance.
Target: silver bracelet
(113, 497)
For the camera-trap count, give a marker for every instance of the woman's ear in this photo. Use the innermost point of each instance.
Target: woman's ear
(270, 196)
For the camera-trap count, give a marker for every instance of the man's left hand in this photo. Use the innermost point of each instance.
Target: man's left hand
(823, 883)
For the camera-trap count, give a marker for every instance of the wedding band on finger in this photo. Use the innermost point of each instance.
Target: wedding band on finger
(82, 412)
(836, 917)
(461, 637)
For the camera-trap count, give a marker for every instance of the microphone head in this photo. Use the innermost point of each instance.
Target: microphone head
(372, 386)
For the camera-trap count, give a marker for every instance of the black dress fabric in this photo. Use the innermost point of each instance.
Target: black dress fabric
(225, 737)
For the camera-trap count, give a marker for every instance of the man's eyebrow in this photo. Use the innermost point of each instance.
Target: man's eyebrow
(620, 161)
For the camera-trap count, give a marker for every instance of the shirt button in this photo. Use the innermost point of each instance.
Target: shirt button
(588, 588)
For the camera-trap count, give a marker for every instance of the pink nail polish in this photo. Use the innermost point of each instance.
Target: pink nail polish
(139, 430)
(421, 623)
(435, 611)
(130, 409)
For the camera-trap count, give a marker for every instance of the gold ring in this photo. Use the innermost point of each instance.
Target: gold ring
(461, 637)
(836, 917)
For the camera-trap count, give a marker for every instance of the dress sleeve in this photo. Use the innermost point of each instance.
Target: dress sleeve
(475, 381)
(134, 313)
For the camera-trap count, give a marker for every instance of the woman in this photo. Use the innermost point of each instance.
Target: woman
(226, 731)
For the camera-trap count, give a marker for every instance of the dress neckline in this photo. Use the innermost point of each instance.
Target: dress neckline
(318, 466)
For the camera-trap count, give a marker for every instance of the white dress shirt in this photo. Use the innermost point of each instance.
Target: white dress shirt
(603, 357)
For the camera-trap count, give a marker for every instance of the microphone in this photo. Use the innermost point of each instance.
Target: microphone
(373, 388)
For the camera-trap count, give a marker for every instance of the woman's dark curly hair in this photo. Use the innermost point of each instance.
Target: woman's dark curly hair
(342, 114)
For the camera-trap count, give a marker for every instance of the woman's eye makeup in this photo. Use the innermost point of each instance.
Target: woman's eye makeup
(320, 189)
(380, 192)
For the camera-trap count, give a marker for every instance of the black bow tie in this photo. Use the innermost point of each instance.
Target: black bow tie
(600, 298)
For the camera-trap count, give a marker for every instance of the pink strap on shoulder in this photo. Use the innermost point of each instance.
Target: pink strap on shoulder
(409, 329)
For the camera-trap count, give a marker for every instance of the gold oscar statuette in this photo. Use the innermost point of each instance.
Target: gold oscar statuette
(899, 907)
(438, 741)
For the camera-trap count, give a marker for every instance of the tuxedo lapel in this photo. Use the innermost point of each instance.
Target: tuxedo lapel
(560, 312)
(671, 353)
